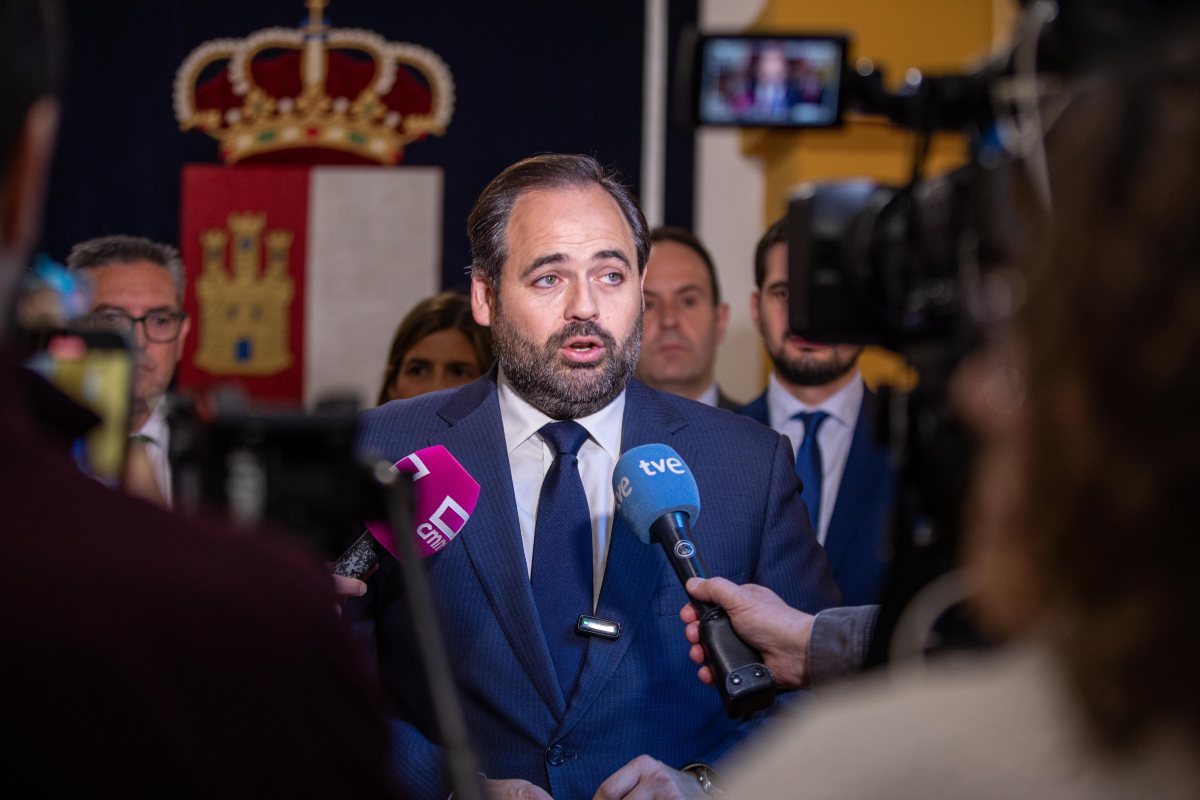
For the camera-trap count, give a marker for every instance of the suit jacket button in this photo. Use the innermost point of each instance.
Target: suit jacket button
(555, 756)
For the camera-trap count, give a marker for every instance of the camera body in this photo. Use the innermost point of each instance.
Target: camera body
(919, 267)
(298, 471)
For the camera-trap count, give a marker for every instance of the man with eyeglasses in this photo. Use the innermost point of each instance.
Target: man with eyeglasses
(137, 289)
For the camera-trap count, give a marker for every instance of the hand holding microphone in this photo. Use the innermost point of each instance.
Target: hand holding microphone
(659, 501)
(780, 632)
(444, 495)
(442, 498)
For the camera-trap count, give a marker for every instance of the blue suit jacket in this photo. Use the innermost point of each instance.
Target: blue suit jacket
(636, 694)
(857, 544)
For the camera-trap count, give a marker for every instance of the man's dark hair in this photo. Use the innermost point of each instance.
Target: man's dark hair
(688, 239)
(775, 234)
(122, 249)
(1112, 372)
(487, 224)
(30, 66)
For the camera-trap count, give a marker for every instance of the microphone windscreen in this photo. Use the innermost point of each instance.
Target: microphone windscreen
(444, 495)
(650, 481)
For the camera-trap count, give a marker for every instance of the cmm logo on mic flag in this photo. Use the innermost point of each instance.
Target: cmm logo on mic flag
(444, 495)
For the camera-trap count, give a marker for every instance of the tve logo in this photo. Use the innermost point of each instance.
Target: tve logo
(651, 480)
(661, 465)
(651, 467)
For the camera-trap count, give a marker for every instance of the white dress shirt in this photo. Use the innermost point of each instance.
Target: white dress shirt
(530, 459)
(156, 435)
(710, 396)
(834, 436)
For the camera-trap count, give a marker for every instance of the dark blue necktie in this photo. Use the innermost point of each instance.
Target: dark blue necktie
(562, 552)
(808, 464)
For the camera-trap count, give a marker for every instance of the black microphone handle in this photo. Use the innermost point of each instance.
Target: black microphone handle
(745, 683)
(360, 558)
(674, 532)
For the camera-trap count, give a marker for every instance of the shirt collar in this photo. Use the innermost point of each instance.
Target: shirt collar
(155, 427)
(521, 420)
(782, 405)
(710, 396)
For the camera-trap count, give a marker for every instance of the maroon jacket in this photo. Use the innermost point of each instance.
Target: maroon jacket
(143, 650)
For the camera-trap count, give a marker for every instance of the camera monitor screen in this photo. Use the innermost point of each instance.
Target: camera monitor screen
(771, 81)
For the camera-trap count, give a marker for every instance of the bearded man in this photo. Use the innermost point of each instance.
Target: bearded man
(559, 247)
(815, 396)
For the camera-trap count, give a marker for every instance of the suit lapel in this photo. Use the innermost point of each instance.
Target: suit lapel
(631, 575)
(757, 410)
(492, 537)
(864, 487)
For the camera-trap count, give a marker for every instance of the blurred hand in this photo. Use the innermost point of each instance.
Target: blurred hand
(139, 479)
(345, 588)
(762, 619)
(513, 790)
(645, 778)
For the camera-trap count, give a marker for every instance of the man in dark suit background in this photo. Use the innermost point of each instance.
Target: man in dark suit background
(558, 249)
(816, 397)
(685, 319)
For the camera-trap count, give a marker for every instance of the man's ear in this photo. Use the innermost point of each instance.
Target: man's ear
(185, 328)
(21, 201)
(754, 311)
(482, 296)
(722, 321)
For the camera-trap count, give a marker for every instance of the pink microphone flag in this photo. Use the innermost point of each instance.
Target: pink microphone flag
(444, 495)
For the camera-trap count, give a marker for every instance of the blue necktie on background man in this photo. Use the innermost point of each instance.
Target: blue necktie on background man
(808, 463)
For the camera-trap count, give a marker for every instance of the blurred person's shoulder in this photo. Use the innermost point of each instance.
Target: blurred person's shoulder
(991, 725)
(75, 540)
(182, 652)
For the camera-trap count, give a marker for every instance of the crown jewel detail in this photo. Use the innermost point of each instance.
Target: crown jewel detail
(286, 92)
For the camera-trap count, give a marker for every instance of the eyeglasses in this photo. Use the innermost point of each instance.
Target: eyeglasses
(160, 326)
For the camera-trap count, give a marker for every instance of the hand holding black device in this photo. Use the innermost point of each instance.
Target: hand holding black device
(659, 500)
(95, 369)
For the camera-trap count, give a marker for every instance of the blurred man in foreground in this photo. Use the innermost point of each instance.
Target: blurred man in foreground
(140, 651)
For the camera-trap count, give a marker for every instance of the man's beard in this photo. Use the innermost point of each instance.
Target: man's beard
(562, 389)
(804, 371)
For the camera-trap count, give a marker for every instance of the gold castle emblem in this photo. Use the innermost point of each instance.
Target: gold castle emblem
(245, 313)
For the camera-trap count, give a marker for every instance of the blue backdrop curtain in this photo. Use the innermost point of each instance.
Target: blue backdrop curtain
(531, 76)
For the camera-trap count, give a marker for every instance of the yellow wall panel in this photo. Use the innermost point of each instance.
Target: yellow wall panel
(936, 36)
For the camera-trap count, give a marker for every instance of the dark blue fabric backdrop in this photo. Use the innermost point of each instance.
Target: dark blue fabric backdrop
(531, 76)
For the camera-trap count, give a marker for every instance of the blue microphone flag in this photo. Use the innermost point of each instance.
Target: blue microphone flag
(650, 481)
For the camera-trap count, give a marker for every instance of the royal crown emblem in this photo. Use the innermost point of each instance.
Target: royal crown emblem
(313, 93)
(245, 311)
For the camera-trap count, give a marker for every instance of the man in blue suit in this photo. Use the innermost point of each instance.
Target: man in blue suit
(816, 397)
(558, 249)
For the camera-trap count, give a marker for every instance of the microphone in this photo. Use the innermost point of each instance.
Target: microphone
(444, 495)
(658, 500)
